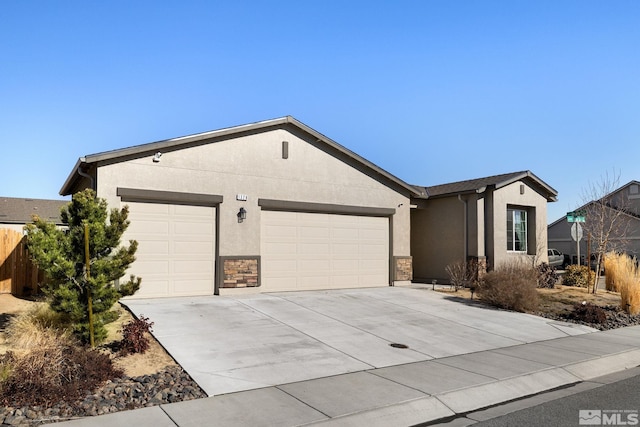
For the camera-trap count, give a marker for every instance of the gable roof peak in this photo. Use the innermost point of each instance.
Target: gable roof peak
(479, 185)
(205, 137)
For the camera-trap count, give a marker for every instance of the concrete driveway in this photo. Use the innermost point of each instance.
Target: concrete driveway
(230, 344)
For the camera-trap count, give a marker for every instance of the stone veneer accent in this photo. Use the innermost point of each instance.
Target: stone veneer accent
(480, 264)
(403, 268)
(240, 271)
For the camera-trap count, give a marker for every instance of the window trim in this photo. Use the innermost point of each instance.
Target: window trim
(511, 240)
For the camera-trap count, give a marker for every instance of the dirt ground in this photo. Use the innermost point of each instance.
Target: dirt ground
(559, 300)
(153, 360)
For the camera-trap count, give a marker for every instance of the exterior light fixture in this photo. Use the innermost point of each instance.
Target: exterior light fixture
(242, 214)
(156, 157)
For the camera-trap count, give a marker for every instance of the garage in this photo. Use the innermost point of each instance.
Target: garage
(304, 251)
(263, 207)
(176, 248)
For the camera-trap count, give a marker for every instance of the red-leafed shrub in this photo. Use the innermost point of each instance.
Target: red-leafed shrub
(134, 338)
(588, 313)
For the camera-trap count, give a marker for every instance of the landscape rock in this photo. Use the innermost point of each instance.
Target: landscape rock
(616, 318)
(168, 386)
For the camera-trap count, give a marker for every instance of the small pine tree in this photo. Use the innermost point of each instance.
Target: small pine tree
(61, 255)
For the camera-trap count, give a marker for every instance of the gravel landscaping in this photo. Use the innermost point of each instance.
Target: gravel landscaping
(616, 318)
(121, 394)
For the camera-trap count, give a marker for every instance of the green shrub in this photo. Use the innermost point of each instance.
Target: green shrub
(60, 254)
(578, 275)
(511, 286)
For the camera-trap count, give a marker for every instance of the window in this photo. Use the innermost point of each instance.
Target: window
(516, 230)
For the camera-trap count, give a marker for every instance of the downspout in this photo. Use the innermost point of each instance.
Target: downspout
(89, 177)
(466, 227)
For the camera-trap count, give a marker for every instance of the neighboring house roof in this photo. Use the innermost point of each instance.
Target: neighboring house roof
(20, 211)
(480, 185)
(631, 215)
(606, 199)
(84, 163)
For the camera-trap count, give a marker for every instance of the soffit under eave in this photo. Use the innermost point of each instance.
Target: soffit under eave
(76, 182)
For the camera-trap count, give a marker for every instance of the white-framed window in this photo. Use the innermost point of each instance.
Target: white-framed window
(516, 230)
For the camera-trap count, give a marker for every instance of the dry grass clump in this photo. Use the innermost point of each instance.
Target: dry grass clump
(462, 274)
(38, 327)
(623, 276)
(47, 365)
(511, 286)
(610, 264)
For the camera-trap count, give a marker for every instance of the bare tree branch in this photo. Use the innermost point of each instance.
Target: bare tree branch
(607, 220)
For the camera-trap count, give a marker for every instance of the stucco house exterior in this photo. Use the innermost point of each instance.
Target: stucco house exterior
(277, 206)
(268, 206)
(625, 237)
(490, 220)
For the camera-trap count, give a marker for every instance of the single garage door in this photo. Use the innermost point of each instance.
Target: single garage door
(176, 247)
(303, 251)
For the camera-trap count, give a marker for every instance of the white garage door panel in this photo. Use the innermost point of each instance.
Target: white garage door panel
(313, 248)
(323, 251)
(194, 247)
(176, 247)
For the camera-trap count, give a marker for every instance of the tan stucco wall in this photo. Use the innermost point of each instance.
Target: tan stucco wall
(532, 200)
(253, 165)
(437, 238)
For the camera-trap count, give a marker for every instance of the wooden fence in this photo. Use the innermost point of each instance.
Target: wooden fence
(18, 275)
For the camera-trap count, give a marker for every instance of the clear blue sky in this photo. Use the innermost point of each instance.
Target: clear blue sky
(431, 91)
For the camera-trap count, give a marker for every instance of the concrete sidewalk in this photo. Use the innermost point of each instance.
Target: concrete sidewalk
(407, 394)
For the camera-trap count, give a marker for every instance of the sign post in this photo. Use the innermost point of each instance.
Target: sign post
(576, 217)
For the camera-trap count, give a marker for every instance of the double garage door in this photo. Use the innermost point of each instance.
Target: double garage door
(299, 251)
(304, 251)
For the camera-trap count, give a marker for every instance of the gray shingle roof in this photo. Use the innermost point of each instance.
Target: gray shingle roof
(19, 211)
(479, 185)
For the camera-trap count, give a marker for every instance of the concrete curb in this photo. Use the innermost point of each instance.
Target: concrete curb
(485, 396)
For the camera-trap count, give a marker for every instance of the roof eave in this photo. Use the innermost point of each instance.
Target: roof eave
(68, 183)
(169, 143)
(551, 194)
(412, 190)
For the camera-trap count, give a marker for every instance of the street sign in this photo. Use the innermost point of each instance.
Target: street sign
(576, 232)
(576, 216)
